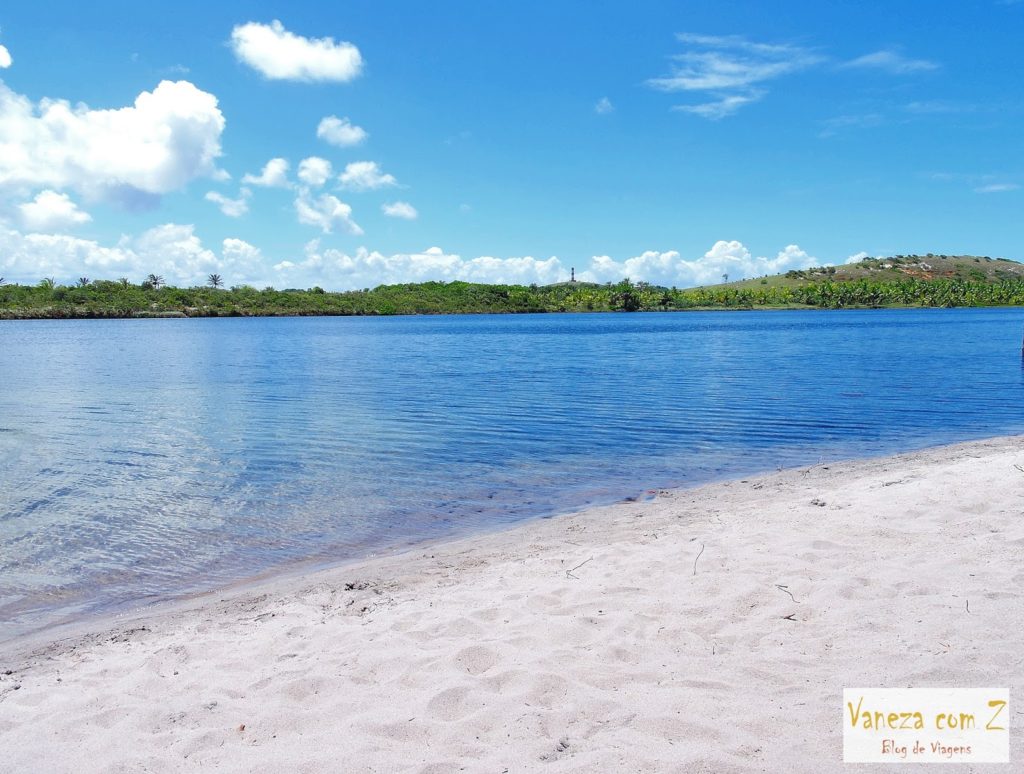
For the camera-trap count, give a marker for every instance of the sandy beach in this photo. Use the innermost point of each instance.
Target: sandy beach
(703, 630)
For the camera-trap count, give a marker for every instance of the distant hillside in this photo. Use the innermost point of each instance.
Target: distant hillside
(969, 268)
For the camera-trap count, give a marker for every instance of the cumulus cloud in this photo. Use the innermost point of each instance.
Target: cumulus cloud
(729, 68)
(340, 132)
(233, 208)
(400, 210)
(314, 171)
(176, 252)
(891, 62)
(27, 258)
(176, 246)
(5, 58)
(171, 250)
(52, 211)
(365, 176)
(858, 257)
(365, 268)
(729, 258)
(337, 269)
(326, 212)
(273, 175)
(604, 106)
(168, 137)
(282, 55)
(242, 263)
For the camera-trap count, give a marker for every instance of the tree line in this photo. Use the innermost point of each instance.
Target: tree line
(154, 298)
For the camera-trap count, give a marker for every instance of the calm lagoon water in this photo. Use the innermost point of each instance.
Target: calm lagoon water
(144, 459)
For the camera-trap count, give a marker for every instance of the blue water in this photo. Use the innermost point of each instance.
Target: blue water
(143, 459)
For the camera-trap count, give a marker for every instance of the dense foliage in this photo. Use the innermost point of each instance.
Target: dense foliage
(104, 298)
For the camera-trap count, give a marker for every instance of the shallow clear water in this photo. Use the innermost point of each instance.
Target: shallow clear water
(141, 459)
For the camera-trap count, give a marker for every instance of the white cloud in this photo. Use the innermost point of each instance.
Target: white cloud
(27, 258)
(996, 188)
(326, 212)
(730, 63)
(891, 62)
(604, 106)
(242, 263)
(723, 107)
(400, 210)
(734, 70)
(365, 176)
(273, 175)
(233, 208)
(337, 269)
(341, 270)
(179, 255)
(171, 250)
(340, 132)
(5, 58)
(176, 252)
(858, 257)
(730, 258)
(729, 67)
(52, 211)
(282, 55)
(133, 154)
(314, 171)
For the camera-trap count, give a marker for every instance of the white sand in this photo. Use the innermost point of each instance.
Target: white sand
(487, 655)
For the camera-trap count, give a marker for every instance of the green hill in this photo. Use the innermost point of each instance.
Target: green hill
(968, 268)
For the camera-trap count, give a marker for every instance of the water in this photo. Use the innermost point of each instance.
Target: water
(143, 459)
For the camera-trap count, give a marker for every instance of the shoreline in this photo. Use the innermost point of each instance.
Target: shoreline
(7, 315)
(90, 620)
(562, 621)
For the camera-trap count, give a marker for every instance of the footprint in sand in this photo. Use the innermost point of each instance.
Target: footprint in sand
(451, 704)
(476, 659)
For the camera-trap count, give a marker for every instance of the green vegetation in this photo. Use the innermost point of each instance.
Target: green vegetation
(900, 267)
(941, 281)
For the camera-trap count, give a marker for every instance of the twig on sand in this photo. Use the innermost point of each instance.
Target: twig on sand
(698, 557)
(780, 587)
(968, 605)
(790, 617)
(1020, 468)
(569, 573)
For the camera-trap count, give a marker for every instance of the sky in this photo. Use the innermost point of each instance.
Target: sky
(352, 144)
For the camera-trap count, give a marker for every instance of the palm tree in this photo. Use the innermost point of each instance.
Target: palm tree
(124, 282)
(1, 281)
(48, 283)
(155, 281)
(83, 281)
(215, 281)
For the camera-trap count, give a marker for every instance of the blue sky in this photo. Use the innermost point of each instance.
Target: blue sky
(667, 141)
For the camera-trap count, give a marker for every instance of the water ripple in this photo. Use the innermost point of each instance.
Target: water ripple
(144, 459)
